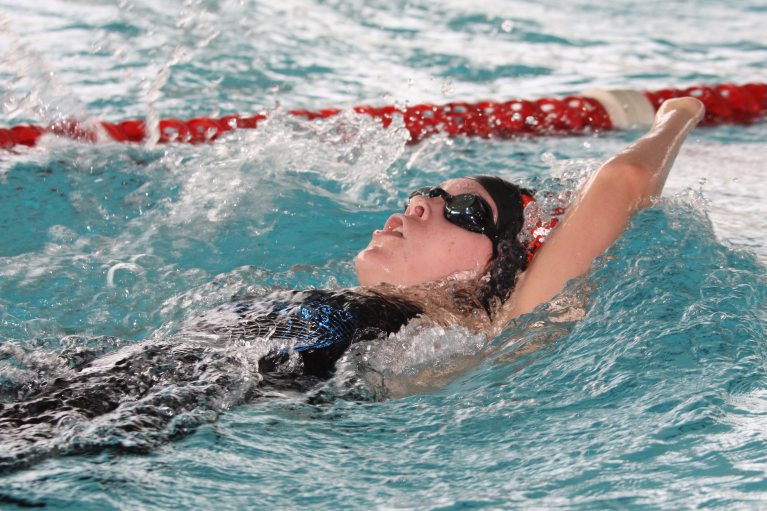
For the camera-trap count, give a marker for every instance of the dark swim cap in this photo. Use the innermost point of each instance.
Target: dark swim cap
(510, 201)
(510, 257)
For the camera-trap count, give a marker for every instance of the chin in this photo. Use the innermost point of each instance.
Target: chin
(374, 268)
(366, 267)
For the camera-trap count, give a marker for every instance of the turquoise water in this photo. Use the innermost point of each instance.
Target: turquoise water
(642, 387)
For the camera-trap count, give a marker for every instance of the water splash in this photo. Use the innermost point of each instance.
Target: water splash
(420, 358)
(34, 92)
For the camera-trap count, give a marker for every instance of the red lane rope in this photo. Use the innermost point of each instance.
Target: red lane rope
(725, 103)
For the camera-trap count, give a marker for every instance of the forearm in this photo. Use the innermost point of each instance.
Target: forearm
(652, 156)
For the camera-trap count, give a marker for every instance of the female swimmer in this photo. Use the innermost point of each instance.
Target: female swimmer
(433, 239)
(453, 257)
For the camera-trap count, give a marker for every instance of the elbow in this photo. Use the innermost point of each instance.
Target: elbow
(633, 181)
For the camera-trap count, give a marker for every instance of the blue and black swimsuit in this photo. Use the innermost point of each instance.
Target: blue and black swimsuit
(152, 391)
(319, 325)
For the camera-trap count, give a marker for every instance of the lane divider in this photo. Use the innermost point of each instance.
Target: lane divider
(593, 111)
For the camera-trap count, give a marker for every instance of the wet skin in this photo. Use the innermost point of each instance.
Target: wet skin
(421, 246)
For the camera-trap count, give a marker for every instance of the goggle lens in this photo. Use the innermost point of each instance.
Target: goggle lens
(466, 210)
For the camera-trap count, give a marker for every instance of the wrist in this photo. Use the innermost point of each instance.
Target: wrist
(686, 109)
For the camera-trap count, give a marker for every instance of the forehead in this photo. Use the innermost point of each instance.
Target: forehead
(465, 185)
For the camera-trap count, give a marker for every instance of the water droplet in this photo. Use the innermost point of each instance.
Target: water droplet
(448, 88)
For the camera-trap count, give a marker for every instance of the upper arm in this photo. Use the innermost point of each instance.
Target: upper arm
(597, 218)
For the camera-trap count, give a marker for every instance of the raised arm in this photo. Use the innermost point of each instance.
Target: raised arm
(603, 208)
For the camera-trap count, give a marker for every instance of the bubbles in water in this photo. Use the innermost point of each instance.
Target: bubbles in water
(572, 171)
(419, 358)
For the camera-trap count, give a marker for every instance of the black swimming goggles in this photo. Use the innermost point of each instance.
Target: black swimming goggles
(466, 210)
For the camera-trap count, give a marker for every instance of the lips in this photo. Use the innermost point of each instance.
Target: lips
(394, 226)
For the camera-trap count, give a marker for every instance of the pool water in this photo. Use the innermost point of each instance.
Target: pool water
(643, 386)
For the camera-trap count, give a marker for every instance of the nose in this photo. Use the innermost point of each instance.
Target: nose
(420, 207)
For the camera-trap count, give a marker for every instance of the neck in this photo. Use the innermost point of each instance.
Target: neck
(451, 301)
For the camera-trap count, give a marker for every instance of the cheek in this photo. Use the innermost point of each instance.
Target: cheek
(454, 251)
(470, 254)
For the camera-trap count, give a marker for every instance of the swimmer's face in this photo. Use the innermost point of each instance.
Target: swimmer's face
(422, 246)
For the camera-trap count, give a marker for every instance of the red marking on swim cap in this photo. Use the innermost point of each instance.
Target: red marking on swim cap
(526, 199)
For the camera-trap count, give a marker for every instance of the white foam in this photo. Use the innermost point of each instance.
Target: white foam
(419, 358)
